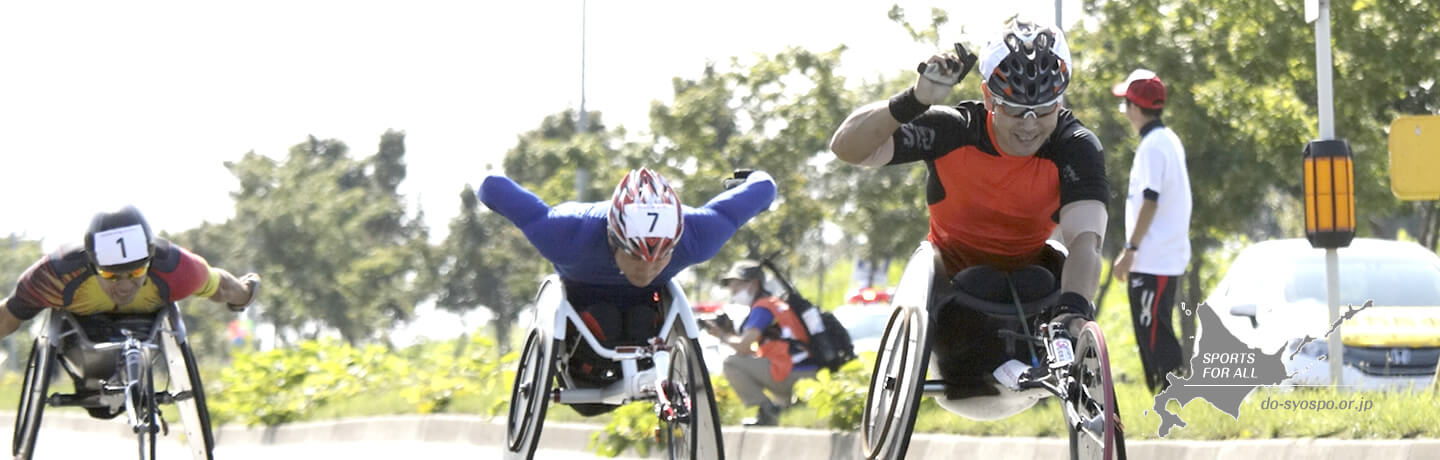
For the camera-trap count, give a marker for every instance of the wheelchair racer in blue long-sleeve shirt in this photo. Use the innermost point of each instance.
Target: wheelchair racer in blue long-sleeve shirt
(616, 257)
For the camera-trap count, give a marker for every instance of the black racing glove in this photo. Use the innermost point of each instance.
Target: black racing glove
(1070, 312)
(737, 178)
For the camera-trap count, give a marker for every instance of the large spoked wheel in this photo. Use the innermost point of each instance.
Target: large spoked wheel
(896, 385)
(32, 399)
(530, 395)
(188, 392)
(1091, 414)
(695, 434)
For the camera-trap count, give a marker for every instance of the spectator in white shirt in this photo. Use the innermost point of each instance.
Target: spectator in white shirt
(1157, 226)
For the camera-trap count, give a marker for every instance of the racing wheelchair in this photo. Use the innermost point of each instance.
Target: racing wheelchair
(1036, 364)
(111, 360)
(678, 382)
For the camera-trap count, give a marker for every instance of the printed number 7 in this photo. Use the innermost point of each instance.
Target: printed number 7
(654, 218)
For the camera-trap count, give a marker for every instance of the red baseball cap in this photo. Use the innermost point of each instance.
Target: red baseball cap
(1142, 88)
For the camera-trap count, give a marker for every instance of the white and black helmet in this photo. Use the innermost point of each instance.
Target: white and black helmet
(1029, 65)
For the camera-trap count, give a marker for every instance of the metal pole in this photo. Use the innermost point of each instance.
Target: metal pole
(582, 174)
(1335, 352)
(1058, 18)
(584, 123)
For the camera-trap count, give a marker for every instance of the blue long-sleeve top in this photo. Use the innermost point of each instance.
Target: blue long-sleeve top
(572, 235)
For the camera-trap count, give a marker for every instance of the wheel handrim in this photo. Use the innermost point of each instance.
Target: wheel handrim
(523, 391)
(893, 356)
(22, 412)
(32, 400)
(1094, 404)
(682, 375)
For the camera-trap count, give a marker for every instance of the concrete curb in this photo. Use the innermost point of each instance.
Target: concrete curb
(765, 443)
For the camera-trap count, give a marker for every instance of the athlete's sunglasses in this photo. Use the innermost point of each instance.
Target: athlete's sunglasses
(127, 274)
(1027, 111)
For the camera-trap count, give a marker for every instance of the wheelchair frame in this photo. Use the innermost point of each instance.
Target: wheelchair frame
(129, 382)
(898, 380)
(678, 406)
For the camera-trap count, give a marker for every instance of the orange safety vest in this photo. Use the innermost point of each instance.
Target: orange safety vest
(791, 328)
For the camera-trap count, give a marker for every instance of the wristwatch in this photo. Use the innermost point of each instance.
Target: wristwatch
(1131, 246)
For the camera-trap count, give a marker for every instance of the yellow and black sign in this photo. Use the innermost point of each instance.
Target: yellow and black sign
(1329, 194)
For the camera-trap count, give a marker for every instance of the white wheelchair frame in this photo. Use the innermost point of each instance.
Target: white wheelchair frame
(85, 357)
(554, 315)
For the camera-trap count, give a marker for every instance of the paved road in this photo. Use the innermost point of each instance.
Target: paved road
(68, 445)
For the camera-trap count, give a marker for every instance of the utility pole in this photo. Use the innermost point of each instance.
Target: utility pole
(582, 174)
(1058, 17)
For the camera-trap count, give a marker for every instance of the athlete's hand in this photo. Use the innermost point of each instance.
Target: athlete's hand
(940, 74)
(252, 284)
(737, 178)
(1121, 270)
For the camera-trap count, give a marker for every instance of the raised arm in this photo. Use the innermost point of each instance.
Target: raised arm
(707, 228)
(509, 199)
(866, 136)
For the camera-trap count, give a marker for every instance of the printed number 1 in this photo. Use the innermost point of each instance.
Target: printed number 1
(121, 242)
(654, 218)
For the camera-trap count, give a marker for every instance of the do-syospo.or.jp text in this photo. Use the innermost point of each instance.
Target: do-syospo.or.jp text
(1317, 405)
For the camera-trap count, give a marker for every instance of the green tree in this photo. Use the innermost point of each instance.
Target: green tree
(1242, 96)
(205, 321)
(486, 263)
(884, 209)
(16, 255)
(332, 237)
(773, 114)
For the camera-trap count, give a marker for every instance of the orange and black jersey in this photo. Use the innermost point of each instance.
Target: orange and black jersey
(988, 207)
(65, 280)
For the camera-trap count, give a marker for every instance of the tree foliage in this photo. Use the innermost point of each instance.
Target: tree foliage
(332, 237)
(484, 262)
(16, 255)
(1240, 77)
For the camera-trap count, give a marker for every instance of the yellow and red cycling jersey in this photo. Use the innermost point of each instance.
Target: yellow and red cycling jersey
(66, 280)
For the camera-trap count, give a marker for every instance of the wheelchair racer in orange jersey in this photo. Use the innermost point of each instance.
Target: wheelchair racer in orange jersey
(1004, 171)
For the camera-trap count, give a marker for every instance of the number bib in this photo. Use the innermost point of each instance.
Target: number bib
(651, 220)
(120, 246)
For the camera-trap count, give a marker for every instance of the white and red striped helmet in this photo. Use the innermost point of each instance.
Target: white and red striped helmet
(645, 218)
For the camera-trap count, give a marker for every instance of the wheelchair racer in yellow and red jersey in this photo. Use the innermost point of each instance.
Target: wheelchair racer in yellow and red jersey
(121, 269)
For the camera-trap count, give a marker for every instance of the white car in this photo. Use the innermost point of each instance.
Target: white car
(1275, 295)
(865, 323)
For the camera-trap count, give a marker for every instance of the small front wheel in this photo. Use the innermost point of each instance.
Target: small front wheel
(145, 412)
(1091, 414)
(695, 433)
